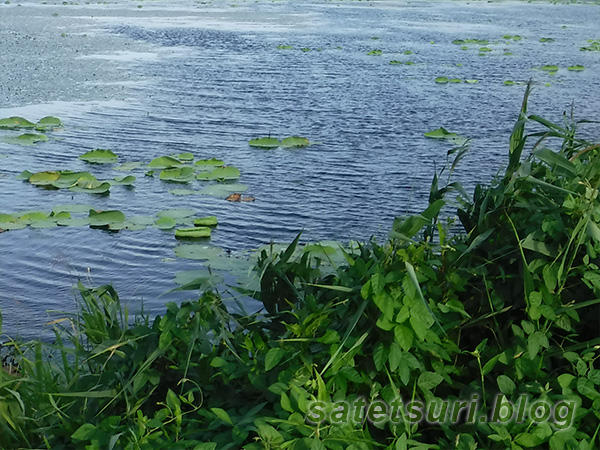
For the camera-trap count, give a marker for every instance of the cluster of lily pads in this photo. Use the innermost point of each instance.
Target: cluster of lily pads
(16, 123)
(85, 215)
(594, 46)
(74, 181)
(445, 80)
(288, 142)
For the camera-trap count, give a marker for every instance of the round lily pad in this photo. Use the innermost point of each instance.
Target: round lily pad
(209, 221)
(295, 142)
(99, 156)
(198, 252)
(192, 233)
(165, 223)
(175, 213)
(264, 142)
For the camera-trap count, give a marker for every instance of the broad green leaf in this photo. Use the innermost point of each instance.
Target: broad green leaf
(223, 415)
(220, 173)
(185, 157)
(441, 80)
(295, 142)
(176, 213)
(165, 223)
(209, 164)
(273, 357)
(91, 186)
(198, 252)
(506, 385)
(178, 175)
(48, 123)
(84, 433)
(209, 221)
(440, 133)
(69, 179)
(104, 218)
(15, 122)
(550, 68)
(576, 68)
(164, 162)
(222, 190)
(33, 216)
(44, 178)
(124, 181)
(429, 380)
(192, 233)
(99, 156)
(265, 142)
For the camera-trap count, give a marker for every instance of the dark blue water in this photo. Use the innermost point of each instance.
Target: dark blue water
(225, 82)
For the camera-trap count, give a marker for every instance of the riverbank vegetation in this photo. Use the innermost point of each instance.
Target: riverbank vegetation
(494, 293)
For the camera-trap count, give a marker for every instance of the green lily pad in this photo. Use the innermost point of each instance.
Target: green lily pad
(105, 218)
(74, 222)
(485, 49)
(124, 181)
(33, 216)
(396, 63)
(509, 83)
(132, 165)
(48, 123)
(181, 192)
(15, 122)
(178, 175)
(375, 52)
(175, 213)
(576, 68)
(209, 221)
(548, 40)
(7, 217)
(197, 279)
(44, 178)
(12, 225)
(441, 80)
(198, 252)
(222, 190)
(25, 139)
(455, 80)
(69, 179)
(25, 175)
(165, 223)
(91, 186)
(47, 223)
(185, 157)
(295, 141)
(142, 220)
(284, 47)
(209, 164)
(550, 68)
(164, 162)
(60, 215)
(441, 133)
(220, 173)
(192, 233)
(99, 156)
(472, 81)
(265, 142)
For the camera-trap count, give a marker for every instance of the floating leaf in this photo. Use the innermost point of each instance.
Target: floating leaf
(48, 123)
(192, 233)
(104, 218)
(265, 142)
(47, 223)
(441, 133)
(91, 187)
(185, 156)
(209, 221)
(181, 192)
(209, 164)
(576, 68)
(220, 173)
(132, 165)
(197, 279)
(546, 40)
(44, 178)
(550, 68)
(176, 213)
(395, 62)
(33, 216)
(455, 80)
(441, 80)
(472, 81)
(165, 223)
(222, 190)
(164, 162)
(68, 179)
(141, 220)
(375, 52)
(72, 208)
(13, 225)
(124, 181)
(15, 122)
(284, 47)
(509, 83)
(74, 222)
(99, 156)
(24, 139)
(178, 175)
(295, 141)
(198, 252)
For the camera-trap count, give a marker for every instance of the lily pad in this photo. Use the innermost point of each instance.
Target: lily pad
(185, 157)
(105, 218)
(74, 222)
(441, 80)
(295, 141)
(181, 192)
(198, 252)
(550, 68)
(47, 223)
(576, 68)
(15, 122)
(209, 221)
(265, 142)
(69, 179)
(164, 162)
(441, 133)
(175, 213)
(222, 190)
(192, 233)
(141, 220)
(25, 139)
(375, 52)
(178, 175)
(209, 164)
(44, 178)
(91, 187)
(33, 216)
(17, 225)
(124, 181)
(165, 223)
(99, 156)
(197, 279)
(132, 165)
(220, 173)
(48, 123)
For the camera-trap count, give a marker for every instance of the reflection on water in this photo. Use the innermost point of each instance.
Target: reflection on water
(206, 81)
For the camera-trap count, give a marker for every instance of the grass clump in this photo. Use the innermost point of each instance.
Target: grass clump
(507, 305)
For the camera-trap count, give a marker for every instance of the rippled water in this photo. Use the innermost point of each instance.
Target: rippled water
(206, 78)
